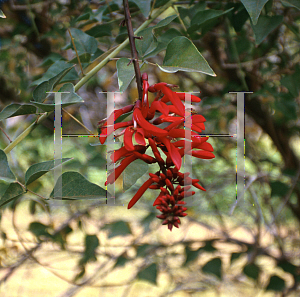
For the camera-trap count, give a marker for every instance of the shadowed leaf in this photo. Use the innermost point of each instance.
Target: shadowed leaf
(37, 170)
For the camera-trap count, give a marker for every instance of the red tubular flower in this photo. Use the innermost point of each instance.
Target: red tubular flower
(170, 95)
(140, 192)
(128, 139)
(201, 154)
(104, 134)
(159, 106)
(139, 136)
(117, 113)
(146, 125)
(174, 186)
(114, 175)
(193, 97)
(146, 158)
(173, 151)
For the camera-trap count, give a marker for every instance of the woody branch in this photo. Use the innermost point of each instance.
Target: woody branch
(133, 49)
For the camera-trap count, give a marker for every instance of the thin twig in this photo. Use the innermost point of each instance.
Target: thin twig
(78, 121)
(72, 40)
(31, 15)
(6, 134)
(133, 49)
(152, 7)
(30, 191)
(147, 62)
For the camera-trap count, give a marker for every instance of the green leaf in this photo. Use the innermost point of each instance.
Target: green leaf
(91, 244)
(121, 262)
(191, 255)
(293, 3)
(58, 68)
(16, 109)
(37, 170)
(235, 256)
(147, 44)
(252, 271)
(291, 82)
(182, 54)
(214, 267)
(84, 58)
(149, 41)
(278, 188)
(83, 17)
(100, 30)
(254, 8)
(84, 43)
(265, 25)
(143, 5)
(2, 15)
(205, 15)
(148, 274)
(125, 74)
(66, 98)
(238, 18)
(165, 21)
(40, 92)
(163, 41)
(52, 58)
(285, 107)
(208, 246)
(13, 191)
(39, 229)
(5, 172)
(288, 267)
(146, 221)
(142, 250)
(276, 284)
(119, 228)
(75, 186)
(3, 187)
(133, 172)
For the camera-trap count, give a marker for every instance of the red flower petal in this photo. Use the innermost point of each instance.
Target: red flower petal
(139, 136)
(204, 146)
(140, 192)
(198, 187)
(202, 154)
(160, 106)
(146, 125)
(173, 151)
(193, 97)
(118, 154)
(146, 158)
(128, 139)
(198, 118)
(113, 176)
(174, 99)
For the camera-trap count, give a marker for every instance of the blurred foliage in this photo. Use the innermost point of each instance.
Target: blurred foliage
(250, 245)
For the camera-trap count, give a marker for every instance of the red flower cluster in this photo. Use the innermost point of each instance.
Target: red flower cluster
(169, 201)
